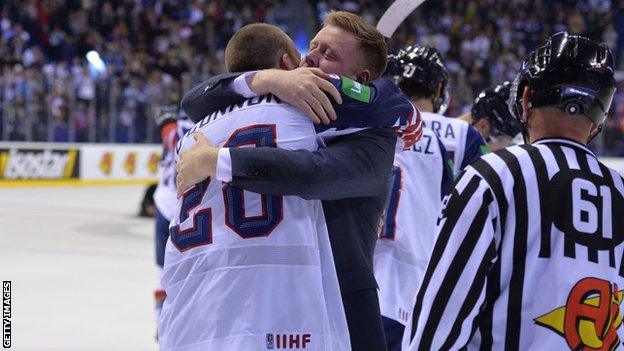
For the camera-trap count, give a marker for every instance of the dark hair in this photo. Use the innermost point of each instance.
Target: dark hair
(255, 46)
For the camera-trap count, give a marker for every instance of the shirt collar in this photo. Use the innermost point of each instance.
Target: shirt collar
(565, 141)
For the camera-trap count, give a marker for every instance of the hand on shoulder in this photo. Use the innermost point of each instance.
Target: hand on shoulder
(305, 88)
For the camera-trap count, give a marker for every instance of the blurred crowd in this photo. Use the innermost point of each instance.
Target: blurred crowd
(148, 52)
(484, 41)
(145, 54)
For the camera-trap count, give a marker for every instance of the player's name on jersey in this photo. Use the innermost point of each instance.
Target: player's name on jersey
(425, 145)
(437, 128)
(269, 98)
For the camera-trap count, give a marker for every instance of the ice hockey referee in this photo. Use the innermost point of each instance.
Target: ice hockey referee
(529, 249)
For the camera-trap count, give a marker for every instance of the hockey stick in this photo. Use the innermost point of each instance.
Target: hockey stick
(395, 15)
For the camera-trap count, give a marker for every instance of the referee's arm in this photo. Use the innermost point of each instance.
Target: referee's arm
(453, 289)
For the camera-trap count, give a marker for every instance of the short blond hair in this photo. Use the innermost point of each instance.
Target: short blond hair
(371, 41)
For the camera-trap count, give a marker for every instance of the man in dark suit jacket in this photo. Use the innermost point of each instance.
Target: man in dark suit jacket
(351, 174)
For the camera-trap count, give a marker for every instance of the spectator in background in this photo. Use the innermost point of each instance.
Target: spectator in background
(165, 42)
(168, 45)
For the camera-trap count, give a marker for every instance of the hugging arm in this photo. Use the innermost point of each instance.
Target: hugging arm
(210, 96)
(356, 165)
(382, 104)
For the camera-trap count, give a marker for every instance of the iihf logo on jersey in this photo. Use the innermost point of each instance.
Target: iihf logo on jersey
(288, 341)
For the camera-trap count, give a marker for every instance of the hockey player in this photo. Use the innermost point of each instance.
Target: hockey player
(246, 271)
(351, 174)
(424, 79)
(422, 175)
(530, 242)
(490, 115)
(173, 126)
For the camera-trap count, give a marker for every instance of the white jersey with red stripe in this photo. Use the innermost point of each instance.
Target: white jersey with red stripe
(165, 194)
(421, 176)
(245, 271)
(462, 142)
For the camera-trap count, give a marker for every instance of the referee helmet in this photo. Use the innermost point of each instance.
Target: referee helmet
(570, 72)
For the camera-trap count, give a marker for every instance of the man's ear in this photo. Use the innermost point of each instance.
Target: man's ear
(593, 128)
(593, 131)
(287, 63)
(483, 127)
(363, 77)
(439, 92)
(526, 96)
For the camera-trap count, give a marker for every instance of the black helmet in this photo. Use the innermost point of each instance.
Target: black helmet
(491, 104)
(570, 72)
(421, 68)
(164, 114)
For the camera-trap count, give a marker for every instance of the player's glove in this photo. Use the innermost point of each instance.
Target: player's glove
(409, 133)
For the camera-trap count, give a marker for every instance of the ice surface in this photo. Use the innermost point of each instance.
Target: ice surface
(82, 268)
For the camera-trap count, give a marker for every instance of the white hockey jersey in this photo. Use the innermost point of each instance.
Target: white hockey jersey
(245, 271)
(407, 238)
(463, 143)
(165, 194)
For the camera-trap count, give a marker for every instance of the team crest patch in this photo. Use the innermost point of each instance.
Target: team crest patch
(591, 317)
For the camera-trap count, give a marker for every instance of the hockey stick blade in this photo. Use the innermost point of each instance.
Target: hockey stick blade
(395, 15)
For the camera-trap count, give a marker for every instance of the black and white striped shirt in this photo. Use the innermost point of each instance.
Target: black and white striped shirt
(528, 255)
